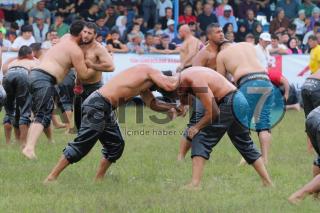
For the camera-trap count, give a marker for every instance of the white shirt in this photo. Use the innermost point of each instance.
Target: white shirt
(301, 26)
(46, 45)
(281, 46)
(162, 7)
(21, 41)
(263, 56)
(306, 37)
(6, 43)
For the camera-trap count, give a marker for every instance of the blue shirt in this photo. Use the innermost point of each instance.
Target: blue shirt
(223, 20)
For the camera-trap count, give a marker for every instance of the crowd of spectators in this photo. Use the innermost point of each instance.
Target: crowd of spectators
(147, 26)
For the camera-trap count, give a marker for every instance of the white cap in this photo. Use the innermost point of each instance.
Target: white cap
(265, 36)
(170, 22)
(227, 8)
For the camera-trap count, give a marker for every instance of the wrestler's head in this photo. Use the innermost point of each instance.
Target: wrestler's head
(225, 44)
(89, 33)
(25, 52)
(76, 28)
(36, 50)
(215, 33)
(165, 94)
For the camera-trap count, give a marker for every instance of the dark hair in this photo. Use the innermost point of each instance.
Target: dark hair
(148, 34)
(168, 8)
(274, 36)
(24, 51)
(313, 38)
(35, 47)
(211, 26)
(76, 27)
(225, 27)
(113, 31)
(26, 28)
(294, 50)
(292, 26)
(317, 24)
(59, 15)
(14, 25)
(93, 26)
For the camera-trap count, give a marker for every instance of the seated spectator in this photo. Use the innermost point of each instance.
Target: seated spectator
(307, 6)
(52, 39)
(275, 48)
(207, 17)
(12, 36)
(314, 18)
(40, 28)
(2, 28)
(219, 11)
(102, 29)
(290, 8)
(168, 16)
(40, 10)
(90, 15)
(26, 38)
(228, 27)
(228, 18)
(193, 28)
(149, 42)
(280, 23)
(121, 23)
(250, 38)
(315, 29)
(188, 16)
(4, 43)
(250, 21)
(170, 30)
(293, 46)
(230, 36)
(82, 5)
(67, 9)
(198, 8)
(59, 26)
(157, 40)
(284, 38)
(242, 32)
(114, 44)
(162, 6)
(292, 28)
(136, 45)
(110, 17)
(135, 30)
(203, 37)
(14, 28)
(244, 6)
(165, 47)
(257, 31)
(300, 23)
(100, 39)
(156, 30)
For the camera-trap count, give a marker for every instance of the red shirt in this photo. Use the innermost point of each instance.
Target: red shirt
(187, 19)
(275, 77)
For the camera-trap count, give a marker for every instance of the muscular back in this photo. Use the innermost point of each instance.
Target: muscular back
(206, 57)
(26, 63)
(239, 59)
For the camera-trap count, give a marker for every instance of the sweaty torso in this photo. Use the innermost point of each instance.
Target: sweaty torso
(206, 57)
(202, 77)
(57, 60)
(90, 53)
(26, 63)
(240, 59)
(125, 85)
(185, 52)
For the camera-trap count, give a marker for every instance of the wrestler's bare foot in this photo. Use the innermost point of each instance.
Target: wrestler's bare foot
(60, 125)
(98, 179)
(192, 187)
(180, 157)
(49, 180)
(243, 162)
(267, 183)
(29, 154)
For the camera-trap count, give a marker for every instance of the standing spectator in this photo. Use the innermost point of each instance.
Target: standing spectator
(275, 48)
(115, 45)
(242, 32)
(82, 5)
(250, 21)
(4, 43)
(26, 38)
(300, 23)
(110, 17)
(290, 8)
(280, 23)
(314, 18)
(121, 23)
(90, 15)
(264, 7)
(162, 5)
(293, 46)
(40, 29)
(59, 26)
(170, 30)
(198, 8)
(188, 16)
(40, 10)
(67, 9)
(261, 49)
(228, 18)
(165, 47)
(149, 8)
(315, 29)
(257, 32)
(307, 6)
(136, 45)
(244, 6)
(220, 9)
(314, 63)
(207, 17)
(102, 29)
(168, 16)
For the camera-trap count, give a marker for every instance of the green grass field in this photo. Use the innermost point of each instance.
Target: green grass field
(148, 178)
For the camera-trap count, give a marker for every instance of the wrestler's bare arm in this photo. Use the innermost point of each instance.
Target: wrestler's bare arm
(168, 83)
(154, 104)
(105, 61)
(77, 59)
(221, 68)
(200, 59)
